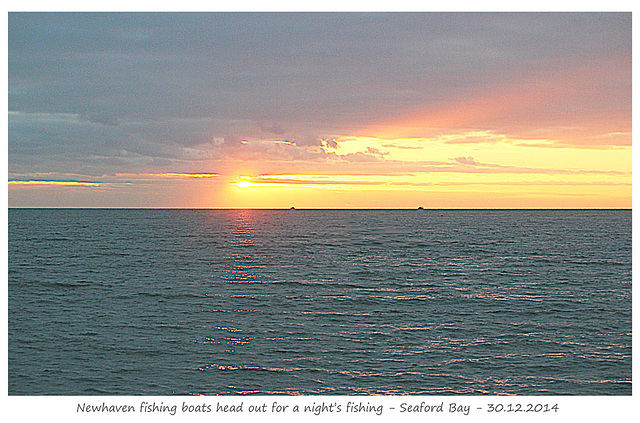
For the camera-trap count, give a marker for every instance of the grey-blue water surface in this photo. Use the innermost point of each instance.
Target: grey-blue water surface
(319, 302)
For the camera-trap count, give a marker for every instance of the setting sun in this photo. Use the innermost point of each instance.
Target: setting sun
(244, 182)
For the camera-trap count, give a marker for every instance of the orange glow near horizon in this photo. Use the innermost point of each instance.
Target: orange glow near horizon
(475, 169)
(434, 190)
(472, 169)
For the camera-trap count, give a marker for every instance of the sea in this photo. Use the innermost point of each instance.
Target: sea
(319, 302)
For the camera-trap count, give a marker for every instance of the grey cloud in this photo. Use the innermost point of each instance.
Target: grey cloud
(274, 129)
(307, 140)
(257, 66)
(101, 118)
(330, 143)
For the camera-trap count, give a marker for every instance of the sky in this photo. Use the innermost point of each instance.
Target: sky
(320, 110)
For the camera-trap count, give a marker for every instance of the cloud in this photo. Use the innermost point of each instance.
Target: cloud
(360, 157)
(466, 161)
(466, 166)
(403, 147)
(180, 175)
(400, 181)
(472, 140)
(343, 73)
(307, 141)
(330, 142)
(274, 129)
(56, 183)
(101, 118)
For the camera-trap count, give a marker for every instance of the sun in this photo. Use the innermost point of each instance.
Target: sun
(244, 182)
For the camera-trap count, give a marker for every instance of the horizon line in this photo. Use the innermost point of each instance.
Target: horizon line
(310, 208)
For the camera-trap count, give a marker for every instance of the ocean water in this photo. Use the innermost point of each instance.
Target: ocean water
(319, 302)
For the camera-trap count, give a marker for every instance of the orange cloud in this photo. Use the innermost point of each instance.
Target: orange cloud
(59, 183)
(579, 106)
(188, 175)
(173, 175)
